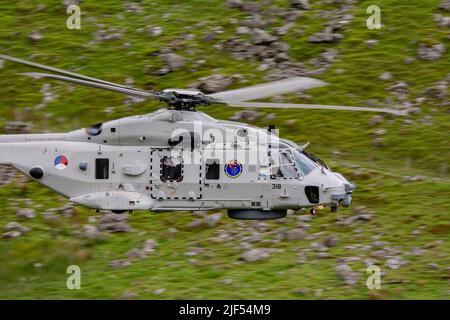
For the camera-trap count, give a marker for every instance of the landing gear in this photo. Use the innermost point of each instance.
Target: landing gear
(334, 208)
(313, 211)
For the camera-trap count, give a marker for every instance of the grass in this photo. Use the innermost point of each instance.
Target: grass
(400, 208)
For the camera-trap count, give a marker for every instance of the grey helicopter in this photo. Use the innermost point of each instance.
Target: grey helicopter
(181, 159)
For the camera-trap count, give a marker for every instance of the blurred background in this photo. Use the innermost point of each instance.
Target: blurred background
(400, 217)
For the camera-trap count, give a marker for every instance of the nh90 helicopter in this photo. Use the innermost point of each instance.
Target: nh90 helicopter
(163, 162)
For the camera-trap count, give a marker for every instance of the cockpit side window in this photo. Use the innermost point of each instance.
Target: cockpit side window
(282, 166)
(304, 164)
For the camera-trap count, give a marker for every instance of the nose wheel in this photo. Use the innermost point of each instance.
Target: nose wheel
(313, 211)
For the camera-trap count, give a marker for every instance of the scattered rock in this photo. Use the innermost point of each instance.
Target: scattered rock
(413, 178)
(213, 219)
(385, 76)
(395, 263)
(47, 96)
(443, 22)
(249, 115)
(331, 241)
(400, 89)
(155, 31)
(409, 60)
(159, 291)
(260, 36)
(134, 253)
(361, 215)
(114, 223)
(91, 232)
(323, 254)
(18, 127)
(324, 36)
(433, 266)
(375, 120)
(301, 291)
(35, 36)
(445, 5)
(67, 3)
(14, 230)
(133, 7)
(67, 210)
(119, 264)
(439, 90)
(271, 117)
(11, 234)
(174, 61)
(26, 213)
(196, 223)
(378, 142)
(346, 274)
(149, 246)
(295, 234)
(281, 31)
(301, 4)
(7, 173)
(256, 255)
(252, 7)
(226, 281)
(213, 83)
(103, 35)
(128, 294)
(430, 52)
(371, 43)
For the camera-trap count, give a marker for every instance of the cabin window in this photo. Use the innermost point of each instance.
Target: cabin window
(213, 169)
(102, 169)
(172, 169)
(282, 166)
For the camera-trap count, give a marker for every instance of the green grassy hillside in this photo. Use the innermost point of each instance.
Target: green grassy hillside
(407, 233)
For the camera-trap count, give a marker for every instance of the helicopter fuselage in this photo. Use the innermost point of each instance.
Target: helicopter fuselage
(177, 160)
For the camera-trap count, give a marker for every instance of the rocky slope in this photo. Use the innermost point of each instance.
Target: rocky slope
(400, 221)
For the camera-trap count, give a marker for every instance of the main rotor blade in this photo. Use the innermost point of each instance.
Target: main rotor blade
(64, 72)
(270, 89)
(128, 92)
(310, 106)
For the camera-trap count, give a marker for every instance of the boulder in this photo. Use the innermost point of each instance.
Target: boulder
(91, 232)
(444, 5)
(174, 61)
(253, 255)
(430, 52)
(214, 83)
(26, 213)
(301, 4)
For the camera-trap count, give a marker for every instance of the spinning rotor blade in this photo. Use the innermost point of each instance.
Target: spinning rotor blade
(270, 89)
(64, 72)
(239, 104)
(129, 92)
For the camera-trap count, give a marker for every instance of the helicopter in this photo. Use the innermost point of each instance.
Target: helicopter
(181, 159)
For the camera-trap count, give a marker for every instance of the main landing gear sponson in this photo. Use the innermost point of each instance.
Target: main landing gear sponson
(256, 214)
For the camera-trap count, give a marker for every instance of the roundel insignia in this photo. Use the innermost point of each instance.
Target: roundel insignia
(233, 169)
(61, 162)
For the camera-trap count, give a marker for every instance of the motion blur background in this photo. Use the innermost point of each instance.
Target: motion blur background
(400, 217)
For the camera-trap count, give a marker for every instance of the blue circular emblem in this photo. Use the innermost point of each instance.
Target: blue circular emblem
(233, 169)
